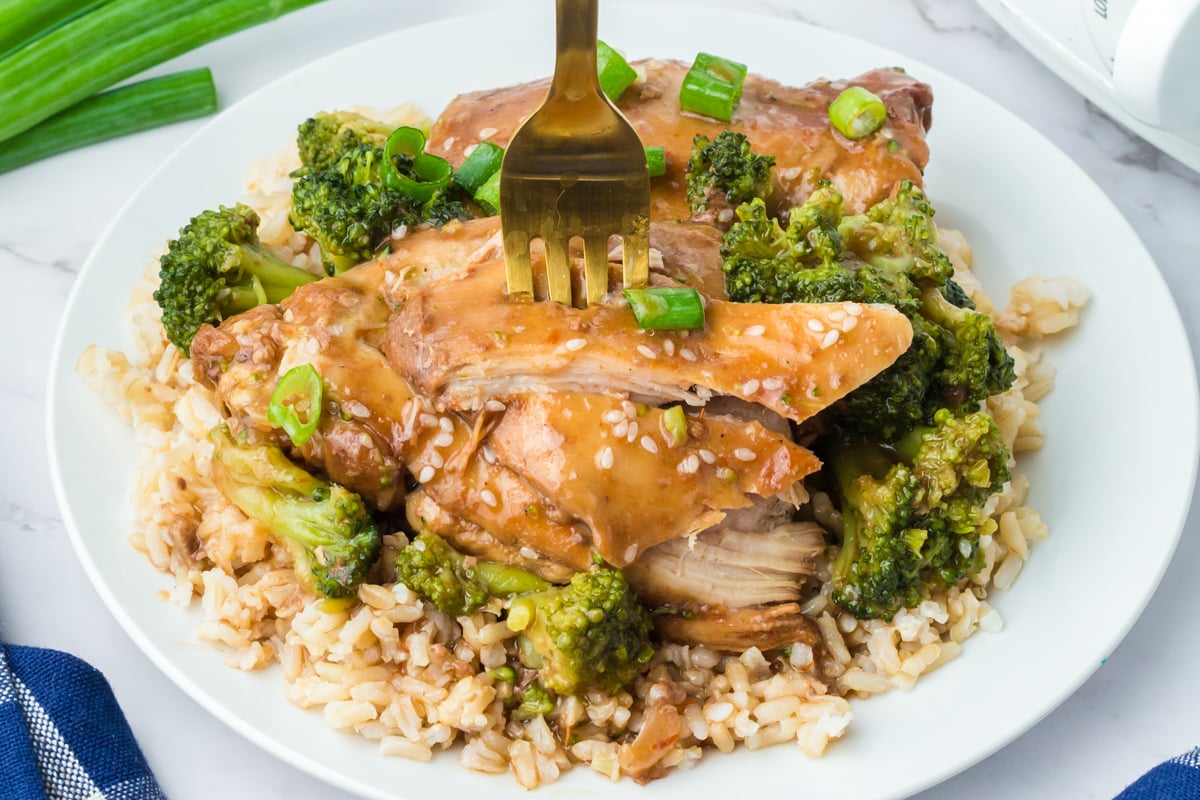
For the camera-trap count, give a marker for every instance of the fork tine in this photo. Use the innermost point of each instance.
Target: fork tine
(636, 259)
(595, 266)
(518, 269)
(558, 269)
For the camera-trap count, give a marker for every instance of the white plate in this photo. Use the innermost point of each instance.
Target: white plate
(1024, 205)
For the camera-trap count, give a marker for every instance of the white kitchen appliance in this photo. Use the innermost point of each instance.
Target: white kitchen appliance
(1138, 60)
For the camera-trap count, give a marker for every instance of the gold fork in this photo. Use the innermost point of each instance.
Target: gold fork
(575, 168)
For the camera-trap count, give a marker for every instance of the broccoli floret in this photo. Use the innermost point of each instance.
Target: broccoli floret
(326, 137)
(327, 528)
(592, 632)
(456, 584)
(912, 516)
(349, 211)
(535, 701)
(216, 268)
(888, 255)
(975, 364)
(726, 165)
(897, 235)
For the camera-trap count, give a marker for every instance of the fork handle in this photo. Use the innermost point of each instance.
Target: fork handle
(575, 65)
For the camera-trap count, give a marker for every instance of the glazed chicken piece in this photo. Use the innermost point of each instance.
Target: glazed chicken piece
(791, 123)
(460, 341)
(735, 585)
(599, 458)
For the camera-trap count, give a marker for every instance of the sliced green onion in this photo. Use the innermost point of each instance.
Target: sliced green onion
(432, 172)
(615, 73)
(483, 162)
(656, 161)
(675, 423)
(666, 308)
(857, 113)
(712, 87)
(488, 195)
(296, 403)
(129, 109)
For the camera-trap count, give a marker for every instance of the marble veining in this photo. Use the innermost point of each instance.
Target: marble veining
(1138, 709)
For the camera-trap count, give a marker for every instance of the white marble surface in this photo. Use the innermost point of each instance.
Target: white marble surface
(1139, 708)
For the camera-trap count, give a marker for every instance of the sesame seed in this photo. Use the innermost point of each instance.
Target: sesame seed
(428, 420)
(849, 324)
(629, 408)
(750, 386)
(837, 315)
(669, 347)
(529, 553)
(756, 330)
(489, 455)
(830, 339)
(815, 326)
(853, 309)
(772, 384)
(631, 552)
(443, 439)
(494, 405)
(436, 460)
(632, 435)
(488, 498)
(646, 351)
(357, 409)
(687, 355)
(689, 465)
(708, 456)
(621, 428)
(648, 445)
(613, 416)
(744, 454)
(726, 215)
(486, 132)
(425, 475)
(604, 459)
(575, 344)
(445, 424)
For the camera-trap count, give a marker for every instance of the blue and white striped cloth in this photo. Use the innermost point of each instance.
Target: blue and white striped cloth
(1177, 779)
(63, 735)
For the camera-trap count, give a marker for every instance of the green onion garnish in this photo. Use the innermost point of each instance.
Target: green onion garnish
(712, 87)
(675, 423)
(129, 109)
(432, 173)
(857, 113)
(109, 43)
(667, 309)
(656, 161)
(614, 71)
(488, 195)
(483, 162)
(296, 403)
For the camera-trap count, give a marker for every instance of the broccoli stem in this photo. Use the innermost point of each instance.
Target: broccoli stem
(115, 41)
(137, 107)
(278, 278)
(23, 20)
